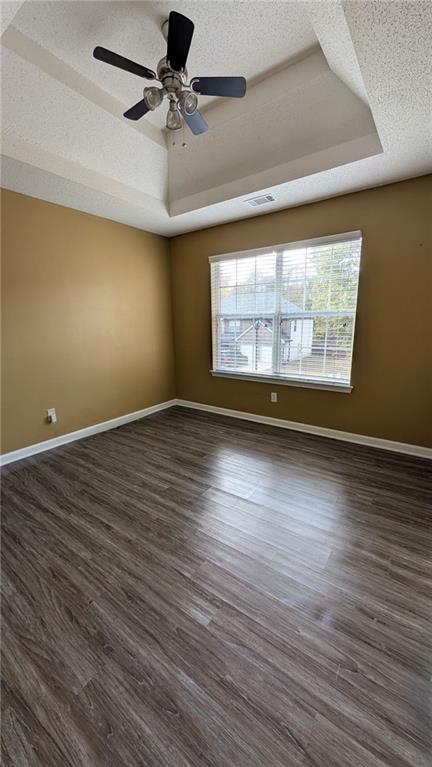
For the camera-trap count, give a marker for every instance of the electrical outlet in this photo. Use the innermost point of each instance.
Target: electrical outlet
(51, 415)
(273, 396)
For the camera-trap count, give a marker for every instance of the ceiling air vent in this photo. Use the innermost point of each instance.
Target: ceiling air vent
(262, 200)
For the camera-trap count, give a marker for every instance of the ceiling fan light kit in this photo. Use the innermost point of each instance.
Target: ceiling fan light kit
(188, 101)
(153, 97)
(173, 120)
(173, 77)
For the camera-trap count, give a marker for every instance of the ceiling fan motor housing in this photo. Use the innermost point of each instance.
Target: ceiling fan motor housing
(172, 81)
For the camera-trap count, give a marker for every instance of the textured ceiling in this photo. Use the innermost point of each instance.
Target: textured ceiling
(231, 38)
(329, 126)
(64, 139)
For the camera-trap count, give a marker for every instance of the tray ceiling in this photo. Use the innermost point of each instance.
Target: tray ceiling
(245, 38)
(338, 99)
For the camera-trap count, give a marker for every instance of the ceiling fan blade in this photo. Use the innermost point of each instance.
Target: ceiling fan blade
(138, 110)
(109, 57)
(180, 32)
(196, 122)
(220, 86)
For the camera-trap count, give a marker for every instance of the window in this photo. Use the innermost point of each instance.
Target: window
(287, 313)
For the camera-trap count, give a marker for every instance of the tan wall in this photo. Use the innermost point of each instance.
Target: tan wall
(392, 355)
(86, 317)
(86, 320)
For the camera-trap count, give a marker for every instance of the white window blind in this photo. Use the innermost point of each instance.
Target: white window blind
(287, 312)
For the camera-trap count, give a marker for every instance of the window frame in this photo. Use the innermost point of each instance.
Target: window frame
(276, 378)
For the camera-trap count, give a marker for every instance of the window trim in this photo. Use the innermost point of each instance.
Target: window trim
(345, 387)
(268, 250)
(304, 383)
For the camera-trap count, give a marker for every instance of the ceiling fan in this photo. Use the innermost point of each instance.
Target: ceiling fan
(173, 77)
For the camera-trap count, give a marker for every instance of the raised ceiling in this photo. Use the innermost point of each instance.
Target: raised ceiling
(274, 33)
(338, 99)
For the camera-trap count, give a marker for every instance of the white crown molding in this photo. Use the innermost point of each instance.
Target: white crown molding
(320, 431)
(359, 439)
(88, 431)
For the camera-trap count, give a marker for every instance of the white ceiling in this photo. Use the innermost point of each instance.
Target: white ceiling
(223, 43)
(64, 138)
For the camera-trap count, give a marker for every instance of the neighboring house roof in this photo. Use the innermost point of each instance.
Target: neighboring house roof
(265, 333)
(249, 334)
(254, 304)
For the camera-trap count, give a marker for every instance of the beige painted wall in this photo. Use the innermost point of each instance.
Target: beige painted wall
(86, 320)
(87, 325)
(392, 364)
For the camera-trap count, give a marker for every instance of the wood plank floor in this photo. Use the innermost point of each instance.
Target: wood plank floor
(195, 591)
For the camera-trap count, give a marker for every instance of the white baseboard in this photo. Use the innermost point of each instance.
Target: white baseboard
(320, 431)
(63, 439)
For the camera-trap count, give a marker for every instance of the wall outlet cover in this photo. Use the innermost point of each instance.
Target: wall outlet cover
(51, 415)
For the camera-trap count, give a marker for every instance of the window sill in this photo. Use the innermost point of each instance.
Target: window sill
(304, 383)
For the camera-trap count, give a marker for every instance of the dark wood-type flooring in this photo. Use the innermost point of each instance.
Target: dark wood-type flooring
(195, 591)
